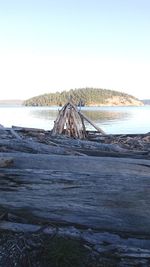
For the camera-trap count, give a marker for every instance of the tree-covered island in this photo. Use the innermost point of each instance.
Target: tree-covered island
(85, 97)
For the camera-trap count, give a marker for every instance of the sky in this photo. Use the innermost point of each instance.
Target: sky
(48, 46)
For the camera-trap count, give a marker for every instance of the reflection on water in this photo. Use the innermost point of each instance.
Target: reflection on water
(45, 114)
(94, 115)
(100, 117)
(110, 119)
(104, 116)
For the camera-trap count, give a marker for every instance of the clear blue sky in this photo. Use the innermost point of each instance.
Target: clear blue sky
(55, 45)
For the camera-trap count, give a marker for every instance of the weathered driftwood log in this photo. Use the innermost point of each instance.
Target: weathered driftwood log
(111, 153)
(83, 117)
(89, 144)
(100, 149)
(70, 147)
(34, 147)
(26, 129)
(108, 247)
(102, 242)
(103, 193)
(92, 123)
(16, 135)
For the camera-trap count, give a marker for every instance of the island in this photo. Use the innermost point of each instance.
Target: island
(85, 97)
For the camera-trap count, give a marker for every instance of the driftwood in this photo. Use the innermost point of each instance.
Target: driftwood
(67, 146)
(33, 147)
(79, 191)
(102, 242)
(92, 123)
(1, 126)
(91, 145)
(16, 135)
(70, 122)
(103, 198)
(101, 247)
(99, 149)
(26, 129)
(71, 147)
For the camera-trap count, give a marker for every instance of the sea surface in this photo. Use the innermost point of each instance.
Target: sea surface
(113, 120)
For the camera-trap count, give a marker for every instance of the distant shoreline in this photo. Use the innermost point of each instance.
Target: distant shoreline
(20, 104)
(17, 102)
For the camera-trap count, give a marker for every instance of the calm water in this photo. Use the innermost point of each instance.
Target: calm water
(110, 119)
